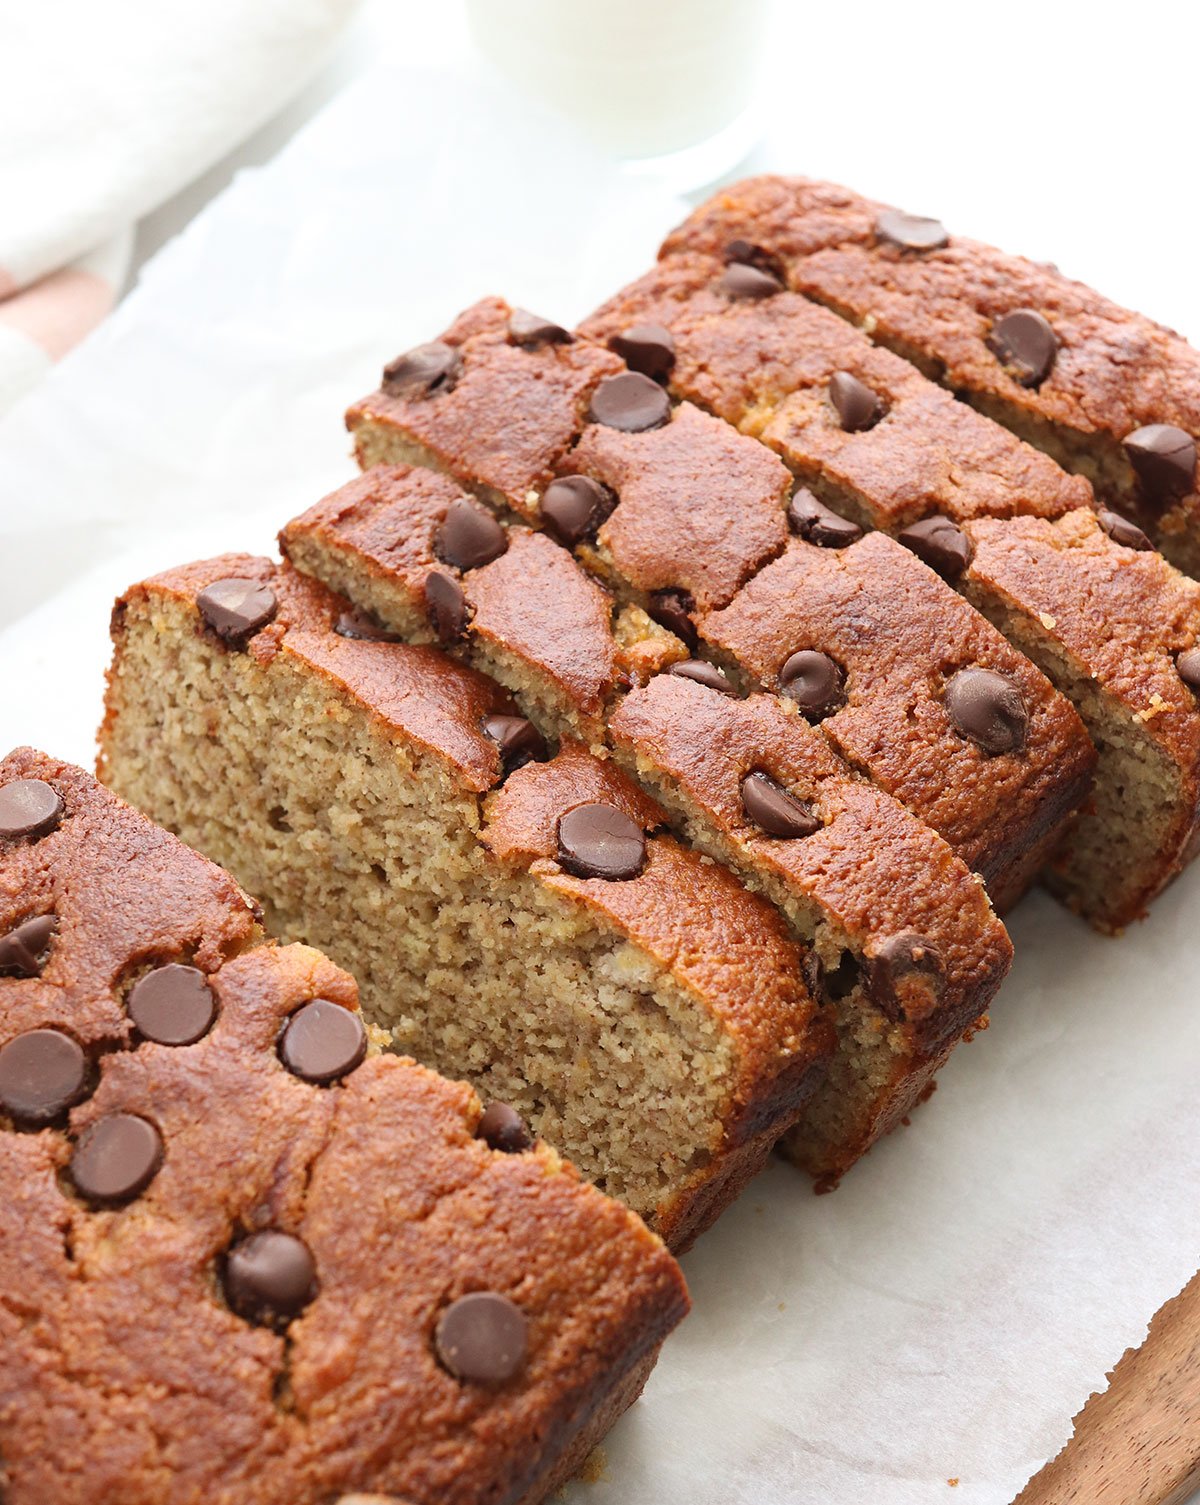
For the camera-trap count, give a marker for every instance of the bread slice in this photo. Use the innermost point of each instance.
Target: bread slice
(1082, 599)
(688, 518)
(1110, 394)
(862, 879)
(652, 1023)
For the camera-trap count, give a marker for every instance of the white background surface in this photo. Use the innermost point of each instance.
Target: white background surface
(944, 1314)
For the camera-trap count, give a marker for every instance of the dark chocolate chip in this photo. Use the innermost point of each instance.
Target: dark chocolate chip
(753, 255)
(29, 807)
(446, 606)
(469, 537)
(774, 810)
(814, 681)
(1188, 665)
(900, 956)
(630, 402)
(359, 624)
(423, 372)
(502, 1128)
(941, 543)
(857, 407)
(672, 609)
(703, 673)
(42, 1072)
(812, 970)
(173, 1005)
(525, 328)
(988, 709)
(236, 608)
(482, 1337)
(741, 280)
(599, 841)
(812, 521)
(116, 1159)
(1025, 344)
(911, 232)
(574, 507)
(648, 348)
(1122, 531)
(517, 738)
(1164, 459)
(24, 950)
(322, 1041)
(270, 1277)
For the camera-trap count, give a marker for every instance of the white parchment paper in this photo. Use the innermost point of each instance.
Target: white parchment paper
(943, 1315)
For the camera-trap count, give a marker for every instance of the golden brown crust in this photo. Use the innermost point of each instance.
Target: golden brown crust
(730, 949)
(899, 633)
(874, 870)
(513, 412)
(128, 1378)
(1114, 371)
(765, 365)
(699, 507)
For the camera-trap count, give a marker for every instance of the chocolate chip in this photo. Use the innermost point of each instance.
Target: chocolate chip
(857, 407)
(525, 328)
(812, 521)
(753, 255)
(741, 280)
(116, 1159)
(482, 1337)
(911, 232)
(1122, 531)
(1025, 344)
(322, 1041)
(988, 709)
(446, 606)
(469, 537)
(672, 609)
(1188, 665)
(502, 1128)
(941, 543)
(812, 970)
(599, 841)
(42, 1072)
(648, 348)
(236, 608)
(422, 372)
(29, 807)
(630, 402)
(24, 950)
(517, 738)
(774, 810)
(1164, 459)
(814, 681)
(574, 507)
(900, 956)
(356, 623)
(173, 1005)
(703, 673)
(270, 1277)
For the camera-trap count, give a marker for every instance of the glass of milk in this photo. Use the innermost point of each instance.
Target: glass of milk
(666, 85)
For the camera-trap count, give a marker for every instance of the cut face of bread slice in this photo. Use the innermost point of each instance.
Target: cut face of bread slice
(1108, 393)
(191, 1225)
(690, 518)
(587, 977)
(771, 365)
(859, 879)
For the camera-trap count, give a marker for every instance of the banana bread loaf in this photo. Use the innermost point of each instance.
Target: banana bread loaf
(1109, 393)
(198, 1173)
(533, 933)
(858, 878)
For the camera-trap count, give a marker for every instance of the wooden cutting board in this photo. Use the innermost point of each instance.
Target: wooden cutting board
(1138, 1442)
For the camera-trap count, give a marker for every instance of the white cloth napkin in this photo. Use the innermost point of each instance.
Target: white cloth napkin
(105, 111)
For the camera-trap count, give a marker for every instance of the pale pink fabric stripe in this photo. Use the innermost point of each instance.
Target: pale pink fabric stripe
(8, 284)
(58, 311)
